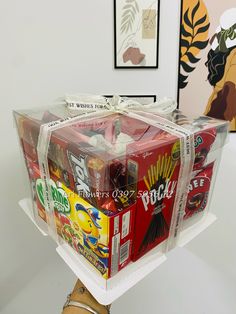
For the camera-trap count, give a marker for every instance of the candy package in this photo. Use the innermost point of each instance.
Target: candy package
(90, 232)
(113, 179)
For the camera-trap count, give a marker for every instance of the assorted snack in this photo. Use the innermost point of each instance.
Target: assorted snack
(114, 180)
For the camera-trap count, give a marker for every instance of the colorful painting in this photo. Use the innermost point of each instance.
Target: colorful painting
(207, 65)
(136, 33)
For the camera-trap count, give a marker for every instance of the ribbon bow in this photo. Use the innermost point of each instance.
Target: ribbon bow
(82, 104)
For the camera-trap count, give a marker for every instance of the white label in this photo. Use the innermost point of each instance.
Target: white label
(116, 225)
(115, 254)
(124, 252)
(125, 225)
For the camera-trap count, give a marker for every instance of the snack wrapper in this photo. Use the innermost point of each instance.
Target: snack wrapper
(198, 193)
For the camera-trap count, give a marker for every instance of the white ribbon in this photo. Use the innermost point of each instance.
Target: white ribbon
(81, 104)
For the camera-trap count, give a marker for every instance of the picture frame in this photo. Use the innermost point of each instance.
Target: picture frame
(136, 34)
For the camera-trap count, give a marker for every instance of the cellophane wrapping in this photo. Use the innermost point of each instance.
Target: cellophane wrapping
(116, 184)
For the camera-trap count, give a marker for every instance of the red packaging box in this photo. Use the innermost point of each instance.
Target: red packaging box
(154, 172)
(198, 191)
(104, 240)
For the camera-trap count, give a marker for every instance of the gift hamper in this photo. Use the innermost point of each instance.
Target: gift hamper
(113, 179)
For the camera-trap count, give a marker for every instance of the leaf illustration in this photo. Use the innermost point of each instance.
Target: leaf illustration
(185, 32)
(132, 14)
(194, 34)
(182, 81)
(203, 29)
(184, 77)
(182, 84)
(184, 43)
(187, 68)
(128, 17)
(195, 10)
(125, 28)
(186, 19)
(200, 44)
(191, 57)
(200, 21)
(127, 6)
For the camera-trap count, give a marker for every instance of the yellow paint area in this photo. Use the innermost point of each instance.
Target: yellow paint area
(189, 5)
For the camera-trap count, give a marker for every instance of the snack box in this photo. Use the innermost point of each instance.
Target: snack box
(198, 191)
(104, 240)
(154, 171)
(210, 135)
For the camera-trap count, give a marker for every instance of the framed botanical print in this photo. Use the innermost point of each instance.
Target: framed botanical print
(207, 61)
(136, 28)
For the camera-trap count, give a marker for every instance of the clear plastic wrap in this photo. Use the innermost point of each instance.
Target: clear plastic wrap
(114, 179)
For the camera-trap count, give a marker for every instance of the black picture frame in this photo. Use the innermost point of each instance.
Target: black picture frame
(180, 34)
(116, 66)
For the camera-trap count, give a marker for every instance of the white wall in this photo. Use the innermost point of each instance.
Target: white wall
(49, 48)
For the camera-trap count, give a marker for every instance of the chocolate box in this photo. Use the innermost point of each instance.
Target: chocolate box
(155, 170)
